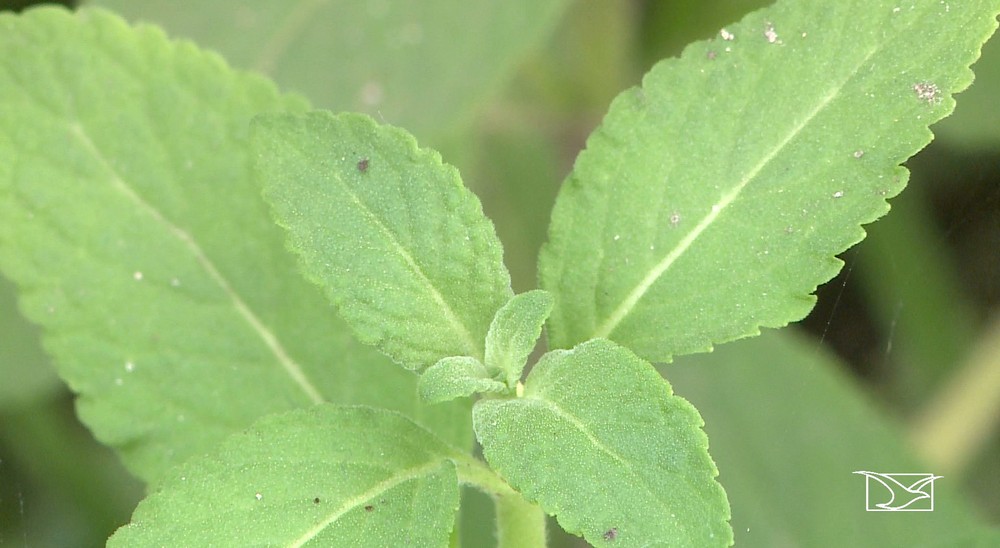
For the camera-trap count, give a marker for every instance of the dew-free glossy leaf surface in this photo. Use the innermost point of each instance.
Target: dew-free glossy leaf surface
(513, 333)
(788, 430)
(326, 476)
(388, 231)
(419, 64)
(600, 441)
(139, 241)
(713, 199)
(456, 377)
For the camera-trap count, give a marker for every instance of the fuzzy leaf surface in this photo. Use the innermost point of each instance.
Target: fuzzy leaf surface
(712, 200)
(600, 441)
(514, 331)
(139, 242)
(384, 58)
(387, 230)
(456, 377)
(326, 476)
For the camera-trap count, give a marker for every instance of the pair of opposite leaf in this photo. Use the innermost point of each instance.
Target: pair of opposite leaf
(512, 336)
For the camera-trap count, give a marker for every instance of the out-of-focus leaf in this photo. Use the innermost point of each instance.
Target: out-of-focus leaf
(788, 431)
(419, 64)
(26, 372)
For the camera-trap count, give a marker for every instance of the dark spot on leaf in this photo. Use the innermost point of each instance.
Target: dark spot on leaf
(369, 508)
(363, 165)
(316, 500)
(611, 534)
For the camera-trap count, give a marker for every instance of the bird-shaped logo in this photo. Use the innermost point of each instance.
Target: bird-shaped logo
(904, 491)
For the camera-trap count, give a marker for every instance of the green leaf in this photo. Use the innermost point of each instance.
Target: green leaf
(136, 234)
(712, 200)
(600, 441)
(329, 475)
(456, 377)
(513, 333)
(395, 60)
(788, 429)
(387, 230)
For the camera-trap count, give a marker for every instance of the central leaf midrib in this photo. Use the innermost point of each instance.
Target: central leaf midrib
(292, 368)
(579, 425)
(383, 486)
(633, 297)
(452, 317)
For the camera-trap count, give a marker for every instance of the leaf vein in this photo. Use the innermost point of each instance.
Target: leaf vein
(575, 422)
(361, 498)
(463, 331)
(639, 291)
(291, 367)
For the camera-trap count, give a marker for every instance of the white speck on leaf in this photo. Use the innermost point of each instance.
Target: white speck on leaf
(175, 282)
(859, 153)
(838, 194)
(675, 218)
(726, 35)
(617, 237)
(129, 366)
(137, 276)
(259, 496)
(927, 91)
(770, 34)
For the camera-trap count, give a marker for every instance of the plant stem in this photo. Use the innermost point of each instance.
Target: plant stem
(520, 524)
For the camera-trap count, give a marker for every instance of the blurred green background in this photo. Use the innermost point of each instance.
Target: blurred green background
(898, 365)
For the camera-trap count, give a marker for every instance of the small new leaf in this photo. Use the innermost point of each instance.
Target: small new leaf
(329, 475)
(600, 441)
(387, 230)
(456, 377)
(513, 333)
